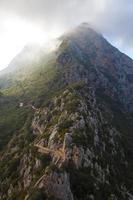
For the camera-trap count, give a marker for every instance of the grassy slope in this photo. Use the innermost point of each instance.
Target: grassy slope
(32, 84)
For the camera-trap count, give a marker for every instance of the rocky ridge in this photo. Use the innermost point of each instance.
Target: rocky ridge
(78, 144)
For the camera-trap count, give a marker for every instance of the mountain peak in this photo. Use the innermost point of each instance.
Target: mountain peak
(66, 122)
(83, 29)
(88, 27)
(88, 52)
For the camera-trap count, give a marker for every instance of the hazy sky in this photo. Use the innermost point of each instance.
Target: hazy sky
(23, 21)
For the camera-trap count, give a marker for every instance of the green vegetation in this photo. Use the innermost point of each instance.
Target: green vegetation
(79, 138)
(64, 125)
(11, 121)
(83, 136)
(72, 106)
(38, 194)
(34, 84)
(85, 182)
(77, 85)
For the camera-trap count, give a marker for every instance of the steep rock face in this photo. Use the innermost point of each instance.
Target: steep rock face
(96, 61)
(86, 143)
(78, 154)
(77, 144)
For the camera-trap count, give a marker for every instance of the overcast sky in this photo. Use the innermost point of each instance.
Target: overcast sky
(21, 21)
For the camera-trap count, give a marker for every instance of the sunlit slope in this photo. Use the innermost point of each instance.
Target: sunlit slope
(30, 79)
(29, 73)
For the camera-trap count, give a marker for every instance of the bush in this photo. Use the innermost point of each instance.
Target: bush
(38, 194)
(65, 125)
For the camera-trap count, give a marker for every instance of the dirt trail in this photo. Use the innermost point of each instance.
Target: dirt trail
(22, 104)
(58, 153)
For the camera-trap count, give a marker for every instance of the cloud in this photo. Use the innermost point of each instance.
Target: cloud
(113, 18)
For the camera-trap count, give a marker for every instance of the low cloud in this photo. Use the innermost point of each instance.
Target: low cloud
(113, 18)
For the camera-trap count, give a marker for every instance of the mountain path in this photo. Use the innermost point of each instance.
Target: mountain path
(58, 153)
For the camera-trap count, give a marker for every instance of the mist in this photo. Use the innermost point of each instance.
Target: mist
(24, 21)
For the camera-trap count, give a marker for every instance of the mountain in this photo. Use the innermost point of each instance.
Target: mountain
(66, 121)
